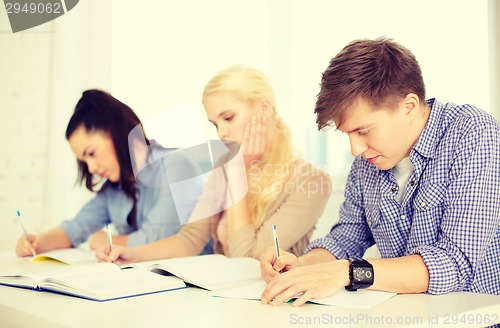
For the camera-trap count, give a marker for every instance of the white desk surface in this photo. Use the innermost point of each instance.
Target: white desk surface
(193, 307)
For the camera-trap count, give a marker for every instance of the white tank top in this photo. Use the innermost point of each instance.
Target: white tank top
(402, 173)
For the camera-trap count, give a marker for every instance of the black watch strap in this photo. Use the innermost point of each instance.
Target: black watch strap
(360, 274)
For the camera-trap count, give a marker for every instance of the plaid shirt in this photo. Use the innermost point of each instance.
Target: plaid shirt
(450, 213)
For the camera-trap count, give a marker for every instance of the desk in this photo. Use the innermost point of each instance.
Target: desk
(194, 307)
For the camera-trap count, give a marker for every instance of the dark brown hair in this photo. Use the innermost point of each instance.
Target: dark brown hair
(381, 72)
(99, 111)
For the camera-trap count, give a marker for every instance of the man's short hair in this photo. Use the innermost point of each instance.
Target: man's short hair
(381, 72)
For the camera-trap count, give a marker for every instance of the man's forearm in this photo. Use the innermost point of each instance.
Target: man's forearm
(407, 274)
(317, 255)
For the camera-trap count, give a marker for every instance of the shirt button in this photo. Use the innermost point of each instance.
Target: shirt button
(423, 204)
(370, 223)
(403, 217)
(393, 189)
(412, 183)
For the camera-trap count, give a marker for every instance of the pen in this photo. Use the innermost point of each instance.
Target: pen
(110, 241)
(25, 231)
(276, 245)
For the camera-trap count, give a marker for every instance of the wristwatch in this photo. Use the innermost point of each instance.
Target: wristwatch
(360, 273)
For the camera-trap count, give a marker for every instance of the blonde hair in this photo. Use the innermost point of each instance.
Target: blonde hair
(264, 187)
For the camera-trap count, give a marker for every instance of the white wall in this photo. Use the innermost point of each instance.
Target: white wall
(43, 72)
(24, 120)
(159, 56)
(494, 55)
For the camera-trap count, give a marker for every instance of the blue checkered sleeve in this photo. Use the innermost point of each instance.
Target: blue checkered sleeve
(351, 236)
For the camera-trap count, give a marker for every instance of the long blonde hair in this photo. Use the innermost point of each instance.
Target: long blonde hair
(267, 180)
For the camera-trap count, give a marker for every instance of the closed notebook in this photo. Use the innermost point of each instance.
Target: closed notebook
(100, 282)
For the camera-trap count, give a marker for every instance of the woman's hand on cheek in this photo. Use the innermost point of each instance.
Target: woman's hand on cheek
(254, 140)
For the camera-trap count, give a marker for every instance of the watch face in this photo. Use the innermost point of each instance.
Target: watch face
(362, 275)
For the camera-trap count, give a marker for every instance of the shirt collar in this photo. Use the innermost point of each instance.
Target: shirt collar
(429, 138)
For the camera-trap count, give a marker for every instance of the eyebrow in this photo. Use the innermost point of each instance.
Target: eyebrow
(358, 128)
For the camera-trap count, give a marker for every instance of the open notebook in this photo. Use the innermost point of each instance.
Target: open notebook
(98, 281)
(211, 272)
(106, 281)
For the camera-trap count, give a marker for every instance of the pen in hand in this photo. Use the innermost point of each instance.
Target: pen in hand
(110, 240)
(26, 232)
(276, 244)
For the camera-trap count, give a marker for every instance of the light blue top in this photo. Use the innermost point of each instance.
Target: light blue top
(159, 213)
